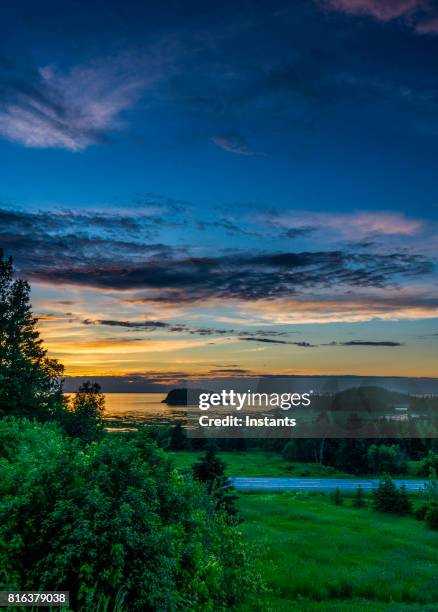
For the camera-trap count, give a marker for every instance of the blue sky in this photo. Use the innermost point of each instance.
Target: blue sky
(249, 185)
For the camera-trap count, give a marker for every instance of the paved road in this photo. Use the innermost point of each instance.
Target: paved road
(317, 484)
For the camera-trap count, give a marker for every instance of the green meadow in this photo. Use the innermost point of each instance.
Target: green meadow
(259, 463)
(314, 555)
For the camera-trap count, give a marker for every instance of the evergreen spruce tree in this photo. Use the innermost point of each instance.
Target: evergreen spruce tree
(211, 471)
(404, 503)
(178, 438)
(338, 500)
(387, 498)
(432, 516)
(359, 498)
(30, 382)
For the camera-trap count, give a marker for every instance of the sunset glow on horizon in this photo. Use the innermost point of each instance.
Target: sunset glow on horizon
(230, 192)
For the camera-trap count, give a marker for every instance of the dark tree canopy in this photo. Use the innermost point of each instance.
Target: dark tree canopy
(30, 382)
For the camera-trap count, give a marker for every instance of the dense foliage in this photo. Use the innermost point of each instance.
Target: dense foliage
(430, 462)
(112, 519)
(386, 458)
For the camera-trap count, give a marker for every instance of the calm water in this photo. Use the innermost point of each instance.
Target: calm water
(139, 407)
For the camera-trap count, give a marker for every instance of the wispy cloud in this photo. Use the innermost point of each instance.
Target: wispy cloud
(48, 108)
(274, 341)
(247, 277)
(420, 14)
(357, 225)
(387, 343)
(234, 144)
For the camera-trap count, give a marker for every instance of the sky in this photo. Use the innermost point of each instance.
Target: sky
(215, 189)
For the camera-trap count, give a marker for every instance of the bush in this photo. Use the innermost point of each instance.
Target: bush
(112, 519)
(429, 463)
(421, 511)
(337, 498)
(359, 498)
(432, 516)
(387, 498)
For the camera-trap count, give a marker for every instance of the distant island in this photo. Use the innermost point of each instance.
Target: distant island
(179, 397)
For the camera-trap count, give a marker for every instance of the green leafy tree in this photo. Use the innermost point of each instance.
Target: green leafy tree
(30, 382)
(84, 417)
(359, 498)
(113, 520)
(210, 470)
(387, 459)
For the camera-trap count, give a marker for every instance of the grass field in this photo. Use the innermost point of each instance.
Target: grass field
(262, 463)
(259, 463)
(318, 556)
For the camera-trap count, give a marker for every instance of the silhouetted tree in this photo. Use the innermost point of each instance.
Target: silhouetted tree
(30, 382)
(178, 438)
(84, 419)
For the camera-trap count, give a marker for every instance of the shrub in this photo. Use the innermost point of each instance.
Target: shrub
(387, 498)
(404, 503)
(112, 519)
(432, 516)
(428, 463)
(421, 511)
(338, 500)
(359, 498)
